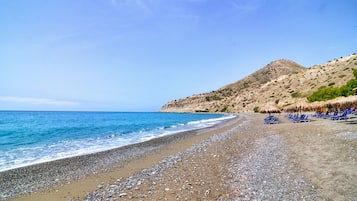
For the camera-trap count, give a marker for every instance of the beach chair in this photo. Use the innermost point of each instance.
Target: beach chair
(266, 120)
(344, 116)
(335, 116)
(319, 115)
(271, 120)
(304, 118)
(294, 118)
(349, 110)
(275, 120)
(290, 117)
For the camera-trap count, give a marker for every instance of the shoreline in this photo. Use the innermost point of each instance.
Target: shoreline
(241, 159)
(18, 183)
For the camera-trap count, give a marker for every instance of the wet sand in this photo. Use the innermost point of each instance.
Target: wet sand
(242, 159)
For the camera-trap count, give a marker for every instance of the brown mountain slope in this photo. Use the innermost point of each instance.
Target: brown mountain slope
(279, 84)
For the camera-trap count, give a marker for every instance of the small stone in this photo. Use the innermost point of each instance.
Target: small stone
(207, 192)
(142, 196)
(123, 194)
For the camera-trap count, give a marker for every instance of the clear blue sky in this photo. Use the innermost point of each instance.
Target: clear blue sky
(136, 55)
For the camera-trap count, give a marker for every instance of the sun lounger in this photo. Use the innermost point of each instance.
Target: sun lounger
(296, 119)
(271, 120)
(344, 115)
(317, 115)
(304, 118)
(335, 116)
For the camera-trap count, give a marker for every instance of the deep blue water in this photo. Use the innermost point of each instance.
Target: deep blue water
(34, 137)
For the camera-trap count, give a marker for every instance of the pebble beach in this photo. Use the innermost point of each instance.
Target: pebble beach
(240, 159)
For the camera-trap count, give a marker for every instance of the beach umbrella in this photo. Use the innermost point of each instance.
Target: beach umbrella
(337, 103)
(299, 106)
(269, 108)
(344, 102)
(317, 105)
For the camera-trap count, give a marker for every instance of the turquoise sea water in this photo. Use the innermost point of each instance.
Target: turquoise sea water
(34, 137)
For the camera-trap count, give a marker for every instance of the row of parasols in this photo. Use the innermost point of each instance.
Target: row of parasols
(340, 103)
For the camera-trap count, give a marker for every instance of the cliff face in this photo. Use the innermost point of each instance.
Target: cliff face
(280, 83)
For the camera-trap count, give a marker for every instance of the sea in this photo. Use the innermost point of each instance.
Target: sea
(32, 137)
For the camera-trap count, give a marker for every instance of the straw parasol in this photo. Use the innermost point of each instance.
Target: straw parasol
(319, 106)
(298, 106)
(343, 102)
(270, 107)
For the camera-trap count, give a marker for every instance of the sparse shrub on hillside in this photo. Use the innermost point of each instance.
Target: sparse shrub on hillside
(331, 84)
(287, 104)
(312, 85)
(256, 109)
(224, 109)
(205, 110)
(277, 101)
(296, 95)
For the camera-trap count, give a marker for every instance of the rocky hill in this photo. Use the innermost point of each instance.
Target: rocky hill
(279, 84)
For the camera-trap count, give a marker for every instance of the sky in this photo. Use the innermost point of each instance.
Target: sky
(136, 55)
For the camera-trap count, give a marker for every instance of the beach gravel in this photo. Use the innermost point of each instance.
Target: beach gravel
(242, 159)
(220, 168)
